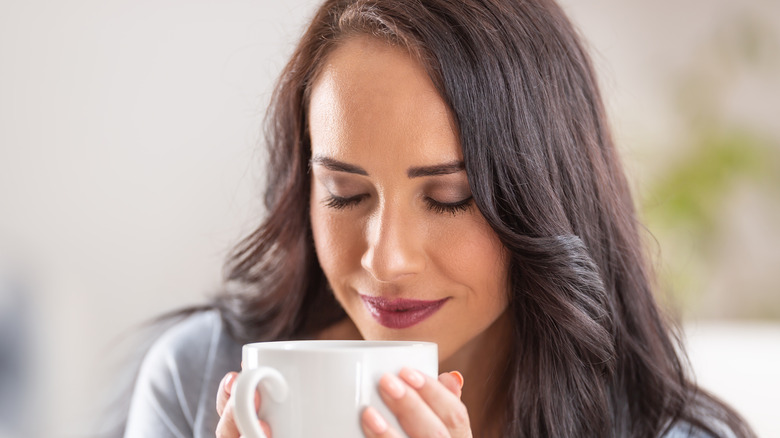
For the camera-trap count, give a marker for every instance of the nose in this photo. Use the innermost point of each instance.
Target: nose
(395, 248)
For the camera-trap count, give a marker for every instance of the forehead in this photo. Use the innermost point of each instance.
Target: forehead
(371, 97)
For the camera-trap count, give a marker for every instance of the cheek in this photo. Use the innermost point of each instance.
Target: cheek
(337, 242)
(472, 248)
(475, 256)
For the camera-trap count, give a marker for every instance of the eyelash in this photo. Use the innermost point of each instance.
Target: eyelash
(451, 208)
(454, 208)
(339, 203)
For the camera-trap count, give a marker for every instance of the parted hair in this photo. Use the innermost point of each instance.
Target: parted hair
(591, 353)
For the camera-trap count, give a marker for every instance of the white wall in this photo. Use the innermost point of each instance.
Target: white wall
(128, 158)
(128, 165)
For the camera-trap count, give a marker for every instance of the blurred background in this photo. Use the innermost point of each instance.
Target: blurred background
(130, 163)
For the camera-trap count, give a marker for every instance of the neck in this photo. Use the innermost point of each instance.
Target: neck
(483, 361)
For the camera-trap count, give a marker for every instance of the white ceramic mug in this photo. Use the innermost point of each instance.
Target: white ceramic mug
(320, 388)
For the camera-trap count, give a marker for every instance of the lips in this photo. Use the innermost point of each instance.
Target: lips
(400, 313)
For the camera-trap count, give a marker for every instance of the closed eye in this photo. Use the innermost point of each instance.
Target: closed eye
(341, 203)
(449, 207)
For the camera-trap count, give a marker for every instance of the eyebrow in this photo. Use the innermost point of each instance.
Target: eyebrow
(412, 172)
(437, 169)
(338, 166)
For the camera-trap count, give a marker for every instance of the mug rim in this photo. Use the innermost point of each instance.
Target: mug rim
(335, 345)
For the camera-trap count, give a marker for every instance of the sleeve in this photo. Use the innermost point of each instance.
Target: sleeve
(686, 430)
(170, 390)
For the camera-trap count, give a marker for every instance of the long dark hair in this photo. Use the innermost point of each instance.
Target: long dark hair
(591, 355)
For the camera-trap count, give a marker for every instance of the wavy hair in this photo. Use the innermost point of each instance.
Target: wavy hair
(592, 355)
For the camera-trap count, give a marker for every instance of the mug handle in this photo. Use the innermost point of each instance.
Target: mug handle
(244, 397)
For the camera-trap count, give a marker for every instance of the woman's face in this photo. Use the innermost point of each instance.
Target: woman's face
(407, 253)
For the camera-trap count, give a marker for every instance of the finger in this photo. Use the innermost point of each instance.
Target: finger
(452, 381)
(227, 427)
(446, 405)
(223, 393)
(266, 428)
(374, 426)
(226, 388)
(414, 415)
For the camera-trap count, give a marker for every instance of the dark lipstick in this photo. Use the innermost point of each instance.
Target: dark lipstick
(400, 313)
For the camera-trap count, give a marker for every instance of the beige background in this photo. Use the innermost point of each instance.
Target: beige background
(129, 165)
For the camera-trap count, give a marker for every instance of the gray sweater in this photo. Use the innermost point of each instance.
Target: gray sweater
(175, 393)
(176, 389)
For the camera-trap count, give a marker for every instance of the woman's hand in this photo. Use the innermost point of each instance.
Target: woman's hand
(424, 406)
(227, 428)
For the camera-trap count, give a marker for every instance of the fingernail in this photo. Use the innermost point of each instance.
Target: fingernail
(393, 386)
(458, 376)
(228, 382)
(374, 421)
(413, 378)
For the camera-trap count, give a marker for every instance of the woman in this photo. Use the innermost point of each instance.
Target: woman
(442, 170)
